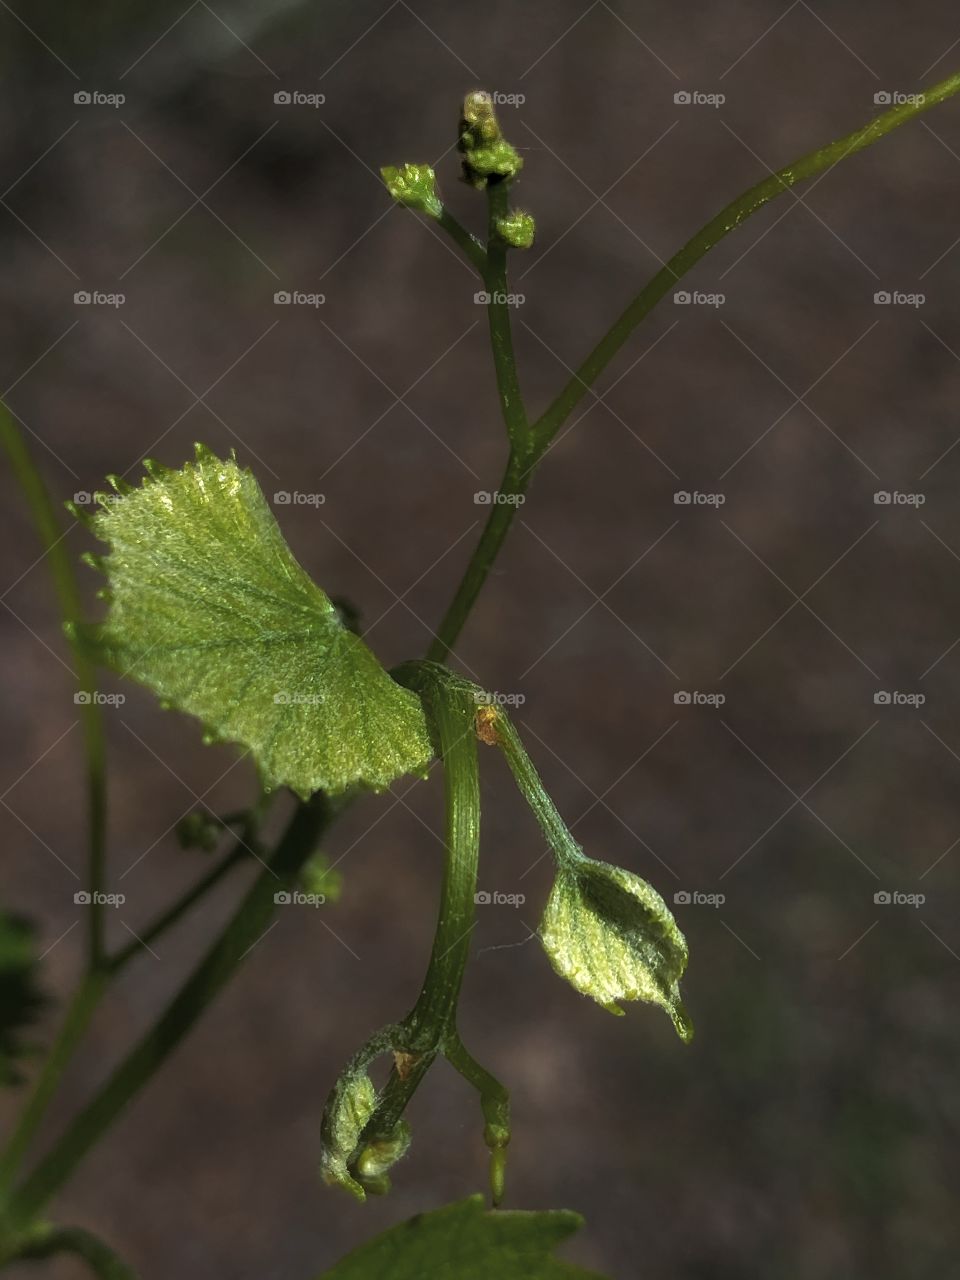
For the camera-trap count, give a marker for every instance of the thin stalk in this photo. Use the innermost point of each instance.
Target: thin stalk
(47, 1242)
(516, 479)
(556, 831)
(68, 596)
(167, 919)
(727, 220)
(498, 312)
(432, 1021)
(464, 240)
(244, 930)
(495, 1105)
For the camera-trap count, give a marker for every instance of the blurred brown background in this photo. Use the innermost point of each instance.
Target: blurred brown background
(811, 1129)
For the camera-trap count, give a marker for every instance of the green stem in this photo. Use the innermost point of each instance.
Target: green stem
(431, 1023)
(465, 240)
(516, 479)
(46, 1242)
(246, 927)
(727, 220)
(552, 825)
(239, 853)
(495, 1105)
(80, 1011)
(498, 312)
(52, 538)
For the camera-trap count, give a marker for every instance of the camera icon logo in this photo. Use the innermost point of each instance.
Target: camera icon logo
(82, 498)
(282, 898)
(682, 97)
(482, 498)
(682, 898)
(882, 498)
(281, 699)
(482, 898)
(82, 898)
(682, 298)
(883, 97)
(481, 298)
(82, 98)
(682, 498)
(282, 97)
(282, 298)
(282, 498)
(82, 298)
(882, 898)
(881, 698)
(882, 298)
(681, 698)
(82, 698)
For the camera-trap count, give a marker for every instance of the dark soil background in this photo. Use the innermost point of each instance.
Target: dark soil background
(811, 1129)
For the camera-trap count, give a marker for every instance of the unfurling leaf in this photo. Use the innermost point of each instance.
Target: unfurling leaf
(20, 998)
(210, 610)
(612, 937)
(351, 1105)
(464, 1241)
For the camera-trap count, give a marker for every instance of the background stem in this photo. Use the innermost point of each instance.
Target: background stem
(79, 1013)
(98, 1256)
(245, 929)
(53, 537)
(727, 220)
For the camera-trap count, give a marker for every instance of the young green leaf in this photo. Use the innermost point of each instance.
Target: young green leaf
(210, 610)
(350, 1106)
(463, 1241)
(20, 998)
(612, 937)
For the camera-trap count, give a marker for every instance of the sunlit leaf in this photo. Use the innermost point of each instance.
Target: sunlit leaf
(209, 609)
(612, 937)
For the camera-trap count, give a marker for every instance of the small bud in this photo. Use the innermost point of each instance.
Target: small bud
(517, 229)
(478, 121)
(415, 185)
(612, 937)
(318, 877)
(499, 161)
(497, 1138)
(378, 1157)
(486, 153)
